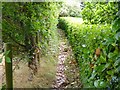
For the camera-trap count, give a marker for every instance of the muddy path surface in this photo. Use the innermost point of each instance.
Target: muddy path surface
(67, 75)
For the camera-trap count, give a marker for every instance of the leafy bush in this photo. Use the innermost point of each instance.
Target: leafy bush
(96, 52)
(100, 12)
(22, 20)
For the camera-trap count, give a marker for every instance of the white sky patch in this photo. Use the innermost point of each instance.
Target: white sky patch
(70, 2)
(73, 2)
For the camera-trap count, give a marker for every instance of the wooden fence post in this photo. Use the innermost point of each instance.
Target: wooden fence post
(8, 67)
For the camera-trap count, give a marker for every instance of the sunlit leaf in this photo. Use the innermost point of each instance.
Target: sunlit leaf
(117, 62)
(110, 72)
(96, 83)
(103, 84)
(8, 60)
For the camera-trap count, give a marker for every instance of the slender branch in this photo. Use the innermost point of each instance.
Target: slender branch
(16, 41)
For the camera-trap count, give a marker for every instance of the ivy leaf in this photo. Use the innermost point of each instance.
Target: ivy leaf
(8, 60)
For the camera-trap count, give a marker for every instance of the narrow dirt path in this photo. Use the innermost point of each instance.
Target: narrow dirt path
(1, 75)
(67, 75)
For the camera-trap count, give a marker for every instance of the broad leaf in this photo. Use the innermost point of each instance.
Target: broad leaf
(8, 60)
(102, 84)
(110, 72)
(96, 83)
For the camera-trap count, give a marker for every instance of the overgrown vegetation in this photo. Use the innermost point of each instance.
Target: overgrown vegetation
(96, 52)
(95, 44)
(22, 21)
(31, 28)
(99, 12)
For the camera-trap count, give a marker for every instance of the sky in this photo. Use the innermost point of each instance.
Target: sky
(73, 2)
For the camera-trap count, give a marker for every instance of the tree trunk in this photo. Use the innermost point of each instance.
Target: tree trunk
(38, 50)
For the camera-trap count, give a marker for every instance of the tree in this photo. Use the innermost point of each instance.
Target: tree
(22, 21)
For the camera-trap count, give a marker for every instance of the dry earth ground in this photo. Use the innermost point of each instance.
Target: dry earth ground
(47, 71)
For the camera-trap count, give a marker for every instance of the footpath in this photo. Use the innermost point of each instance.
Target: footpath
(67, 75)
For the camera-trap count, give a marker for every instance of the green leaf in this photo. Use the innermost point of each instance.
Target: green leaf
(111, 55)
(107, 65)
(102, 84)
(93, 75)
(102, 59)
(117, 70)
(110, 72)
(96, 83)
(0, 60)
(116, 24)
(100, 68)
(117, 35)
(8, 60)
(117, 62)
(6, 53)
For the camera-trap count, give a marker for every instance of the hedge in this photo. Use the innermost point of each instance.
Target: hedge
(25, 19)
(95, 51)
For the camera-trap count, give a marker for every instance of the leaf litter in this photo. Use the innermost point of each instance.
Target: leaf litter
(67, 75)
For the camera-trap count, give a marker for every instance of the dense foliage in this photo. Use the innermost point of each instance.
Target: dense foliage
(23, 21)
(99, 12)
(96, 52)
(30, 27)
